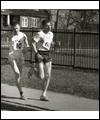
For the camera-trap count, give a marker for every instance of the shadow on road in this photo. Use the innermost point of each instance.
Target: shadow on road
(8, 97)
(3, 96)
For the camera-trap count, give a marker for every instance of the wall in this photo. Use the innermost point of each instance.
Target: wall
(29, 21)
(1, 20)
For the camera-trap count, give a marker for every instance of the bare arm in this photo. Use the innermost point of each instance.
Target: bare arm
(34, 46)
(39, 57)
(26, 41)
(26, 47)
(36, 38)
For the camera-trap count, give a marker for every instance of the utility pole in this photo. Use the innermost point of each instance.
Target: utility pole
(56, 28)
(57, 19)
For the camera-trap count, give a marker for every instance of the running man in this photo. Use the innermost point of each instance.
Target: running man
(18, 47)
(41, 45)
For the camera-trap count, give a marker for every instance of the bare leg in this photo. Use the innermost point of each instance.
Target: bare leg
(17, 68)
(37, 70)
(48, 67)
(20, 66)
(14, 66)
(34, 70)
(41, 70)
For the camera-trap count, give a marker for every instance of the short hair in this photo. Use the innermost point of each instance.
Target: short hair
(15, 23)
(44, 22)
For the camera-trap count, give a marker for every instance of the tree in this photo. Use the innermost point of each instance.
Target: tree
(84, 18)
(70, 19)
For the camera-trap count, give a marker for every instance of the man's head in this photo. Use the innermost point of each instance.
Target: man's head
(46, 25)
(16, 27)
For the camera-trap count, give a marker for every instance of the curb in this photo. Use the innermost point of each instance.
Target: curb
(11, 106)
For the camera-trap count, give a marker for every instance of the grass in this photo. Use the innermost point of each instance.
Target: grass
(83, 83)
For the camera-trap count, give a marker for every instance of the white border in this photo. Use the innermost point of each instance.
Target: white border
(49, 4)
(50, 115)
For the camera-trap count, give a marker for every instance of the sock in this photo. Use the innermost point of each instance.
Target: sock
(21, 93)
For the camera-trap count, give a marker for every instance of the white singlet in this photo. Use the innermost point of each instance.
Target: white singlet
(16, 45)
(43, 40)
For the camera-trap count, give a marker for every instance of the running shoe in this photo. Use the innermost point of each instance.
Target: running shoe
(23, 97)
(44, 98)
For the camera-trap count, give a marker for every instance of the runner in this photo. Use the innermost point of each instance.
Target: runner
(18, 47)
(41, 46)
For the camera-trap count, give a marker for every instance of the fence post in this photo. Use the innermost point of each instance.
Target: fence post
(74, 48)
(31, 46)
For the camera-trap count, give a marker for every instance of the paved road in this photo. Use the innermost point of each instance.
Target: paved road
(58, 101)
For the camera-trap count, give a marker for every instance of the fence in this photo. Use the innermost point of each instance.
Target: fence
(78, 49)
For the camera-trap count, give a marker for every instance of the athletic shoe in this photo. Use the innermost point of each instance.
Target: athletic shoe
(23, 97)
(44, 98)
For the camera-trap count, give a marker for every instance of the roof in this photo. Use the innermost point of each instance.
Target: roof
(29, 12)
(5, 11)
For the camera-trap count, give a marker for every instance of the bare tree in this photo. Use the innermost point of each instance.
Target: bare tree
(83, 18)
(80, 19)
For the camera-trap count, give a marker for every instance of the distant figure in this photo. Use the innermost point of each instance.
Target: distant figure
(18, 47)
(57, 46)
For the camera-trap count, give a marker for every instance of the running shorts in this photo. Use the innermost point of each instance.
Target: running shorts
(46, 56)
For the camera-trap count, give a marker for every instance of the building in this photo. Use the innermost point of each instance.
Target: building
(27, 18)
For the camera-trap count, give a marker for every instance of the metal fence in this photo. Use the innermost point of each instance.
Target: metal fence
(77, 49)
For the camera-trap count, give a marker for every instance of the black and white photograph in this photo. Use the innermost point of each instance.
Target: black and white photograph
(49, 59)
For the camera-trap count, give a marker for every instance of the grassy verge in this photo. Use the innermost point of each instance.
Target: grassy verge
(68, 81)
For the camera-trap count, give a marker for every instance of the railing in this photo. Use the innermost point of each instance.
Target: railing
(78, 49)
